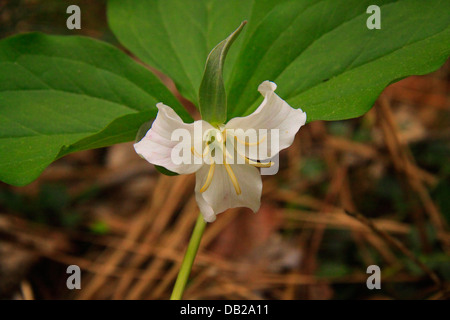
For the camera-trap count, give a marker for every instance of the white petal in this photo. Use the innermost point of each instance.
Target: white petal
(273, 113)
(156, 146)
(221, 194)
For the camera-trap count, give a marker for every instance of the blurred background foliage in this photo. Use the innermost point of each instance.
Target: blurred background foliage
(127, 226)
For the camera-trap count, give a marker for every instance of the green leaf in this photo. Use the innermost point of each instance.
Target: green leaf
(319, 52)
(176, 36)
(165, 171)
(64, 94)
(325, 60)
(212, 95)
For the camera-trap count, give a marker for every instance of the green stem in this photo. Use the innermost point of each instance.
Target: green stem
(188, 259)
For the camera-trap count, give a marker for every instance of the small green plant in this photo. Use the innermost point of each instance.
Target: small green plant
(62, 94)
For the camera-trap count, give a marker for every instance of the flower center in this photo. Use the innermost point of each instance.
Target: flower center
(216, 148)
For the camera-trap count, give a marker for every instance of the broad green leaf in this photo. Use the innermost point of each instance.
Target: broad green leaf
(176, 36)
(325, 60)
(319, 52)
(64, 94)
(212, 97)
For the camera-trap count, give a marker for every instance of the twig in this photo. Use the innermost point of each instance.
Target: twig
(398, 245)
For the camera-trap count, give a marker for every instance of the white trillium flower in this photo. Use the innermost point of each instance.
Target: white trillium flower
(225, 164)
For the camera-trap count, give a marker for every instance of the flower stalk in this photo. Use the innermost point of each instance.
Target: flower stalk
(188, 260)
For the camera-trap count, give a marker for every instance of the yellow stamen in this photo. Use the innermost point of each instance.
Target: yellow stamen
(251, 143)
(195, 152)
(228, 155)
(206, 150)
(255, 163)
(259, 164)
(209, 177)
(232, 178)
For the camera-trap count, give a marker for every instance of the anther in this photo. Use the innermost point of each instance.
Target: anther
(251, 143)
(209, 177)
(232, 178)
(259, 164)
